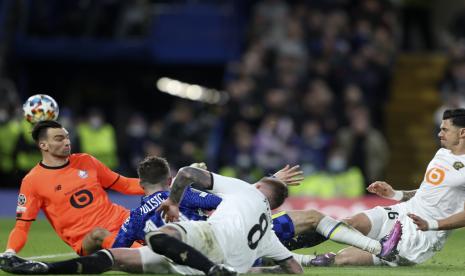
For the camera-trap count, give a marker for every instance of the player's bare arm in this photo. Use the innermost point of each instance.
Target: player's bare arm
(452, 222)
(186, 176)
(289, 266)
(385, 190)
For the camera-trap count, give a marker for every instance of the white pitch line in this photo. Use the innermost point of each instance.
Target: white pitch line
(52, 256)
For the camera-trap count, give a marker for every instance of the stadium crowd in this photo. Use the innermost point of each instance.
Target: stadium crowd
(309, 89)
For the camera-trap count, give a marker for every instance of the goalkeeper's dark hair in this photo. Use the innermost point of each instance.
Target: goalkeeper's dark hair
(39, 131)
(153, 170)
(280, 191)
(456, 116)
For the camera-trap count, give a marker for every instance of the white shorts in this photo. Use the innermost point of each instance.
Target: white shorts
(415, 246)
(154, 263)
(200, 235)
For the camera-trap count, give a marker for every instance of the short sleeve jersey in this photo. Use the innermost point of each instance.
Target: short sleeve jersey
(242, 224)
(72, 196)
(442, 192)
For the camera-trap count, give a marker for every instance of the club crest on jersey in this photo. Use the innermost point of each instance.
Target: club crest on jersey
(83, 174)
(21, 199)
(458, 165)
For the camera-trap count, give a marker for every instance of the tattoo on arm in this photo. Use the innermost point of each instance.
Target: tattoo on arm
(187, 176)
(408, 195)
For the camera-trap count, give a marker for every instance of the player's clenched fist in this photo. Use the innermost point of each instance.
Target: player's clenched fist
(381, 189)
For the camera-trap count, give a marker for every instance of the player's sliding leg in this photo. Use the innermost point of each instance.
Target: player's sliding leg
(355, 256)
(341, 232)
(168, 242)
(98, 262)
(294, 229)
(98, 238)
(131, 260)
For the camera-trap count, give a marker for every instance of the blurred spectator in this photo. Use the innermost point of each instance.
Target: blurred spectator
(66, 119)
(137, 137)
(363, 146)
(238, 156)
(338, 181)
(313, 147)
(318, 104)
(26, 153)
(97, 137)
(454, 81)
(276, 143)
(180, 135)
(451, 100)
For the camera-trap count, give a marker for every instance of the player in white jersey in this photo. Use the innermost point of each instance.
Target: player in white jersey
(440, 196)
(238, 232)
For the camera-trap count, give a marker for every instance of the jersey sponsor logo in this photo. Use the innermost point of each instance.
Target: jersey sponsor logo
(21, 199)
(81, 199)
(21, 209)
(435, 176)
(83, 174)
(458, 165)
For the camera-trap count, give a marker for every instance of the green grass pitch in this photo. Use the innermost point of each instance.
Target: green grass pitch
(450, 261)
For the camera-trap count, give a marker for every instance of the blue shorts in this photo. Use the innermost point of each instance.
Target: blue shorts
(283, 226)
(284, 229)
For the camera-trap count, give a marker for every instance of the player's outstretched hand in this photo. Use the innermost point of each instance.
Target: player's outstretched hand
(169, 210)
(381, 189)
(421, 223)
(292, 176)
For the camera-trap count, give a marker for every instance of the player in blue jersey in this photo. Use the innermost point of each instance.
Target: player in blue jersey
(145, 218)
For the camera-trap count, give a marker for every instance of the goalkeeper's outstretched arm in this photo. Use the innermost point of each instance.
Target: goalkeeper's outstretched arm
(18, 236)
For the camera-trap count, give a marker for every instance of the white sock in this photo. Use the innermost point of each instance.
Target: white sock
(303, 260)
(340, 232)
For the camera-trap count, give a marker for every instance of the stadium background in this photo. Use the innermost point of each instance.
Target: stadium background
(350, 89)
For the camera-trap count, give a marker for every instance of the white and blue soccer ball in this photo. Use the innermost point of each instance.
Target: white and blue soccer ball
(40, 107)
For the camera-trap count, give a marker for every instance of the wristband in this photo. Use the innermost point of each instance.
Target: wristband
(398, 195)
(9, 251)
(432, 224)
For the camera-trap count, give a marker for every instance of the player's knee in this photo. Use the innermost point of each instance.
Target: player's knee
(312, 218)
(99, 234)
(359, 222)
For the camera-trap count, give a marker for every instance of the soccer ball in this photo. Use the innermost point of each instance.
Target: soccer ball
(40, 107)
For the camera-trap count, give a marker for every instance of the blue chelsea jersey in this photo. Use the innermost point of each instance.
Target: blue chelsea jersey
(145, 218)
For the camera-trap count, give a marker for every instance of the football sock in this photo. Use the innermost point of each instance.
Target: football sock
(343, 233)
(303, 260)
(179, 252)
(304, 240)
(98, 262)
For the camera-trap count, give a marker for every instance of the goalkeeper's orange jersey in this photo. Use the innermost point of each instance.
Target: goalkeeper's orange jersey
(73, 197)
